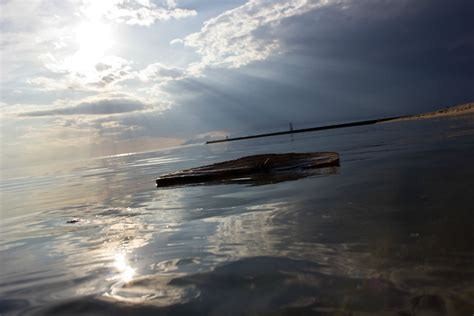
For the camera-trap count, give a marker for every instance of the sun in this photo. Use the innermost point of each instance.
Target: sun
(94, 39)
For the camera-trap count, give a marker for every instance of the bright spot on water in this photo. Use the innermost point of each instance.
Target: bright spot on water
(126, 272)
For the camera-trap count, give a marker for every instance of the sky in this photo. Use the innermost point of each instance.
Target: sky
(84, 78)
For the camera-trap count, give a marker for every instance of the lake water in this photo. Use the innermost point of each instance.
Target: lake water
(389, 232)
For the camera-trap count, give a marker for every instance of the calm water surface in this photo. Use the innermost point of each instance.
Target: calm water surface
(390, 232)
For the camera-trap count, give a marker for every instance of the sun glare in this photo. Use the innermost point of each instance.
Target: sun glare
(126, 272)
(94, 39)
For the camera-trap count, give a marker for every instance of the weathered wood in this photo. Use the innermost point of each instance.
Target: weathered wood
(252, 167)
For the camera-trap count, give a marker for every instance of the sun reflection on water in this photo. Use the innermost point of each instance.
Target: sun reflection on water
(125, 271)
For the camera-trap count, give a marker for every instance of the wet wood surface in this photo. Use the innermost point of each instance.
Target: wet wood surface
(264, 168)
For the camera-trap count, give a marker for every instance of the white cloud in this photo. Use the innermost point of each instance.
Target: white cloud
(68, 38)
(171, 3)
(160, 73)
(176, 42)
(51, 84)
(100, 107)
(230, 39)
(31, 29)
(133, 12)
(105, 73)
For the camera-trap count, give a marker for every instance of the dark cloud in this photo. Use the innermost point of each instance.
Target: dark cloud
(365, 59)
(101, 107)
(423, 35)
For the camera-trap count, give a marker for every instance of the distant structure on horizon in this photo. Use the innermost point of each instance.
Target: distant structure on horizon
(462, 109)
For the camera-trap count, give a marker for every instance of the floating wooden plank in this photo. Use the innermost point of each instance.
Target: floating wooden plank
(266, 168)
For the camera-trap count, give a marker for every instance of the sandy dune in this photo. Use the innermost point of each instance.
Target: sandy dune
(462, 109)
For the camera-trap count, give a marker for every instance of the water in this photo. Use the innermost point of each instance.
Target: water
(390, 232)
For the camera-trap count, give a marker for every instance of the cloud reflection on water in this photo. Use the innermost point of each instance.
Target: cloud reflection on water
(382, 235)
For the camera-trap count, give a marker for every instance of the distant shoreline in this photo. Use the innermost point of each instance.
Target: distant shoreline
(305, 130)
(463, 109)
(457, 110)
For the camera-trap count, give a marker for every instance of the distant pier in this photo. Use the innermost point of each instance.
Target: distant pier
(310, 129)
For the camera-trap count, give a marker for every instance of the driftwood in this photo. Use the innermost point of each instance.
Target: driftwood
(257, 169)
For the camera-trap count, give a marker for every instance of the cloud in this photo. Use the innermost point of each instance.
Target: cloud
(318, 62)
(102, 107)
(64, 46)
(160, 72)
(112, 70)
(342, 62)
(177, 42)
(244, 35)
(29, 29)
(66, 74)
(171, 3)
(133, 12)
